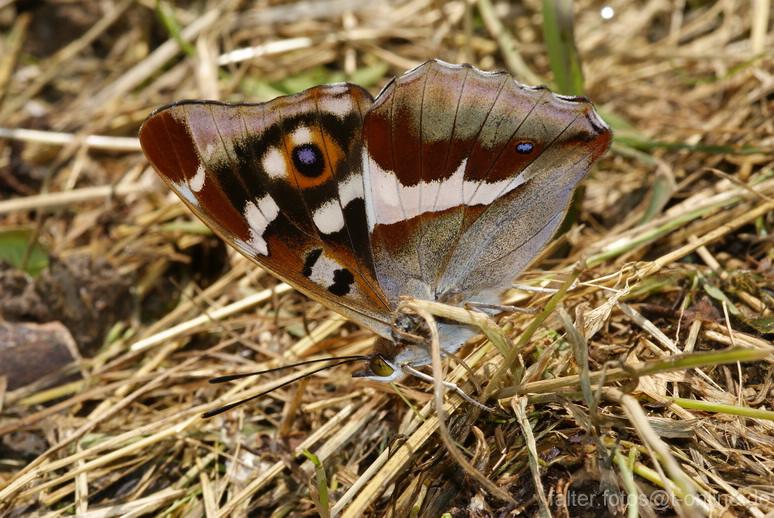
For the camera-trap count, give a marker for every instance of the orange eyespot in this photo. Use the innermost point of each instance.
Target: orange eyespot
(380, 367)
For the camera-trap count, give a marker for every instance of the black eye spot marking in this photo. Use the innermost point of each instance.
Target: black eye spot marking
(308, 160)
(342, 281)
(525, 147)
(585, 136)
(310, 261)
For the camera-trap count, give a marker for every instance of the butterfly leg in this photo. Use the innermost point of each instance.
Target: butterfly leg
(499, 308)
(438, 386)
(449, 385)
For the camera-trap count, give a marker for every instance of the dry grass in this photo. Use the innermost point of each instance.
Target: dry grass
(646, 370)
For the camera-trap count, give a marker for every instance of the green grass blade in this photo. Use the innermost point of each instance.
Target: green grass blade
(559, 37)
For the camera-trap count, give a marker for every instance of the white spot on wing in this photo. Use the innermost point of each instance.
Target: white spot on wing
(484, 193)
(273, 162)
(197, 182)
(389, 201)
(447, 193)
(268, 207)
(322, 271)
(351, 189)
(328, 218)
(302, 135)
(186, 192)
(382, 203)
(340, 106)
(259, 216)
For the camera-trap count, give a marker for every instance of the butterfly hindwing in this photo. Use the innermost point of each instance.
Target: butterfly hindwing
(467, 176)
(276, 180)
(442, 110)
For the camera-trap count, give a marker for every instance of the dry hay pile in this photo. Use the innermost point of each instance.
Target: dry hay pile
(644, 373)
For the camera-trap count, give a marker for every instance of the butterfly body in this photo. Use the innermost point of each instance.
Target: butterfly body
(443, 187)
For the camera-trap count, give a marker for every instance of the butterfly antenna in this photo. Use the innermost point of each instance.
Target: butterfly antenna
(226, 408)
(232, 377)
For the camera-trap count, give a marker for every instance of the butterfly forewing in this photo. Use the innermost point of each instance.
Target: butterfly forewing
(274, 180)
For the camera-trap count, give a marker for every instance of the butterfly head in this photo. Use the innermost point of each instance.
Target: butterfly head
(379, 368)
(408, 345)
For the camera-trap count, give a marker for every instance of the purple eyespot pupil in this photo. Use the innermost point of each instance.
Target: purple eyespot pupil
(306, 155)
(308, 160)
(524, 147)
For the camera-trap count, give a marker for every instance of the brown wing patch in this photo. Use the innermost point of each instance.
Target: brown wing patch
(168, 145)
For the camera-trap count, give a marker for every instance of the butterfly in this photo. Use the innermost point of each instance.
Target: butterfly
(443, 188)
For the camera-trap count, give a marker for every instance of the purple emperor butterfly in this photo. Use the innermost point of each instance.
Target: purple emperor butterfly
(444, 187)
